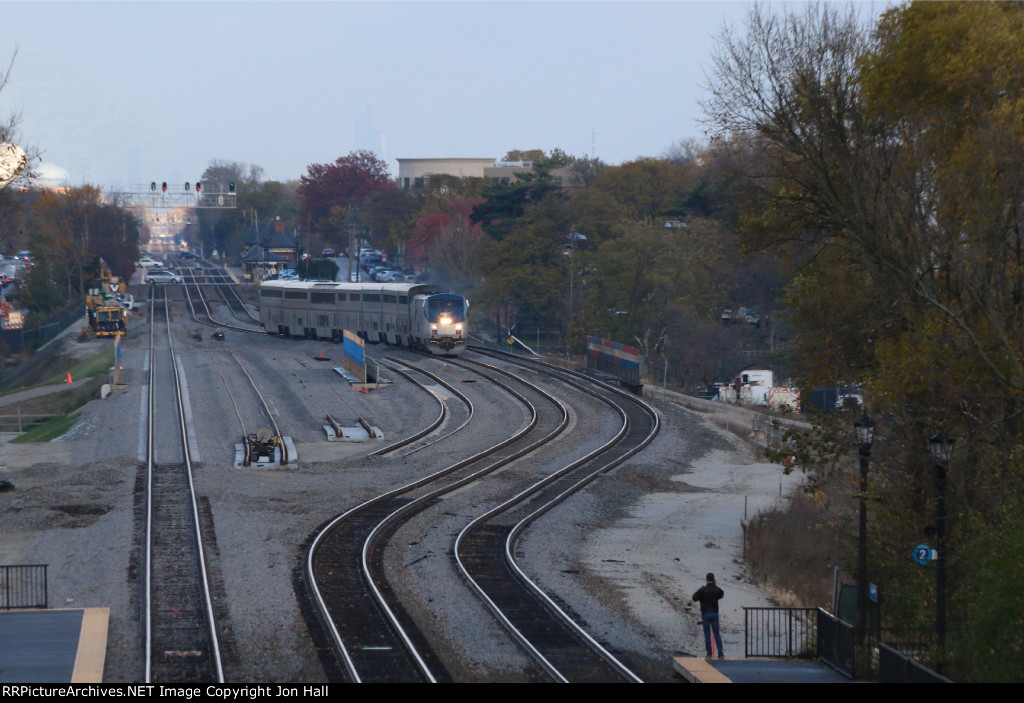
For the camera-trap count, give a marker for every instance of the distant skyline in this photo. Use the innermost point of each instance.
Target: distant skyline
(124, 93)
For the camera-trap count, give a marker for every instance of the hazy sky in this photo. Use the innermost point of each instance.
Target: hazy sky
(121, 93)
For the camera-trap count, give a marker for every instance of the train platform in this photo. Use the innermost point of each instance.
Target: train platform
(53, 646)
(696, 670)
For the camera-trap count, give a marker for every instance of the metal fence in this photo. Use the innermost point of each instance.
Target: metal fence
(42, 333)
(18, 422)
(780, 632)
(895, 667)
(768, 430)
(836, 645)
(23, 586)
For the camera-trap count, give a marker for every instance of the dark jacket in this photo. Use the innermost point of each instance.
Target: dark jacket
(708, 597)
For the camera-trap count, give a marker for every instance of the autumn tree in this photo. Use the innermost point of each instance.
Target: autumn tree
(445, 242)
(330, 191)
(888, 169)
(65, 222)
(68, 230)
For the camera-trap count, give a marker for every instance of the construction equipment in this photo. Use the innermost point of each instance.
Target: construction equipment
(108, 303)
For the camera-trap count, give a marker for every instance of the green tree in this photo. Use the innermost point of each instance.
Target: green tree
(505, 203)
(527, 266)
(644, 188)
(585, 170)
(516, 155)
(644, 285)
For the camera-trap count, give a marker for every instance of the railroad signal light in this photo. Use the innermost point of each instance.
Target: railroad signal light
(152, 186)
(199, 186)
(165, 186)
(231, 187)
(188, 186)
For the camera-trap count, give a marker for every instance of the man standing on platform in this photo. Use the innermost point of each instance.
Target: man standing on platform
(708, 596)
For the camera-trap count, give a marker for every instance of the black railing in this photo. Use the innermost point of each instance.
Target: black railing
(836, 643)
(895, 667)
(23, 586)
(815, 633)
(780, 632)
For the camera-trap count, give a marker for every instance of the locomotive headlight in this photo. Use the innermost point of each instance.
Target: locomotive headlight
(445, 320)
(433, 328)
(458, 328)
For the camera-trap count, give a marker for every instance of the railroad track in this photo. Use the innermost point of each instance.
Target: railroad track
(226, 287)
(410, 373)
(374, 636)
(199, 307)
(485, 549)
(181, 633)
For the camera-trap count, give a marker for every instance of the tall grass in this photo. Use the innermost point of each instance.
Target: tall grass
(791, 551)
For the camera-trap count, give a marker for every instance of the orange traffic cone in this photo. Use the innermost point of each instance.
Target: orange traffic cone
(69, 377)
(321, 353)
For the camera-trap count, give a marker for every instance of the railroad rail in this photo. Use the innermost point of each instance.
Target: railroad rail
(409, 372)
(199, 307)
(226, 288)
(561, 645)
(180, 629)
(376, 639)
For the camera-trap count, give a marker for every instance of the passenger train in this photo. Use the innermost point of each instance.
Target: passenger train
(408, 314)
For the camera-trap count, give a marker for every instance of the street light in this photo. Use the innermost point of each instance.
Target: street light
(941, 446)
(865, 429)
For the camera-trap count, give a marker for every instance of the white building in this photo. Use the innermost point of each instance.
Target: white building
(415, 173)
(753, 382)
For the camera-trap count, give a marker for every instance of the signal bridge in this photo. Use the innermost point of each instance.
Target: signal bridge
(155, 196)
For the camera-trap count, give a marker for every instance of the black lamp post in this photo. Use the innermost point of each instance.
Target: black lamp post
(941, 446)
(865, 434)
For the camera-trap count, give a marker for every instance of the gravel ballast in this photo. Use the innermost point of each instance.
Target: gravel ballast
(624, 555)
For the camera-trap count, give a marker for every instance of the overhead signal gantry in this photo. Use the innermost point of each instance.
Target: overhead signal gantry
(162, 195)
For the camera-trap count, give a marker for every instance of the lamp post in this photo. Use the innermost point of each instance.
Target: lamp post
(865, 429)
(941, 446)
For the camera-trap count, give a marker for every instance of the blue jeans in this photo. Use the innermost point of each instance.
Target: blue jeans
(710, 621)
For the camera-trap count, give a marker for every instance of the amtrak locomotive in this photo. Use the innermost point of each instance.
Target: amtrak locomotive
(407, 314)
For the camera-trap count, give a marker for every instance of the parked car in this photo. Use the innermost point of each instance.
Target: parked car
(162, 276)
(327, 253)
(148, 263)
